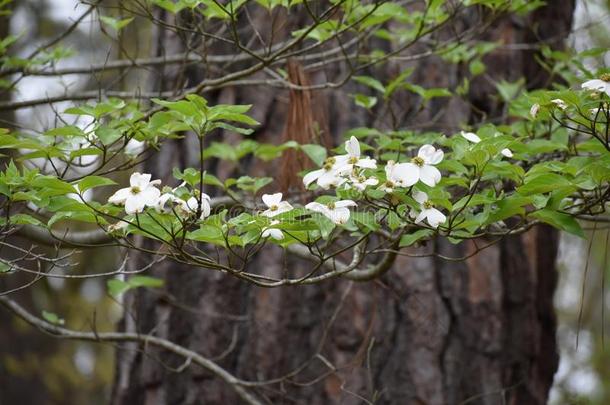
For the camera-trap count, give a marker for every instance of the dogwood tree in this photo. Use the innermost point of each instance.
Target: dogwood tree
(385, 191)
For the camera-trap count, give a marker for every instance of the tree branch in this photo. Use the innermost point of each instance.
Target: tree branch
(87, 239)
(188, 355)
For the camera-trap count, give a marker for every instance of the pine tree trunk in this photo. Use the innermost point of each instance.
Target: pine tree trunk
(430, 331)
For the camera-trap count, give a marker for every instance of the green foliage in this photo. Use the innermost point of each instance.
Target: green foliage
(117, 287)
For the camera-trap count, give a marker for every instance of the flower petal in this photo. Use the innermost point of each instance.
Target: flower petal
(329, 178)
(426, 151)
(507, 152)
(352, 147)
(139, 180)
(120, 196)
(420, 197)
(367, 163)
(149, 195)
(595, 84)
(134, 204)
(340, 160)
(389, 167)
(206, 210)
(421, 216)
(345, 203)
(284, 206)
(435, 217)
(471, 136)
(429, 175)
(317, 207)
(312, 176)
(436, 157)
(273, 233)
(164, 202)
(272, 199)
(191, 204)
(339, 215)
(405, 174)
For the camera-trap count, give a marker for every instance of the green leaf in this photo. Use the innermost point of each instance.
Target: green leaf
(222, 151)
(208, 233)
(316, 153)
(170, 5)
(397, 82)
(53, 185)
(365, 101)
(476, 67)
(410, 239)
(69, 130)
(508, 91)
(114, 23)
(94, 181)
(52, 318)
(367, 219)
(559, 220)
(117, 287)
(108, 135)
(25, 219)
(370, 82)
(508, 207)
(146, 281)
(251, 184)
(543, 183)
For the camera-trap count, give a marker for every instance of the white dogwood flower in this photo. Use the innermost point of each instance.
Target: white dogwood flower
(190, 206)
(275, 205)
(398, 175)
(360, 182)
(353, 159)
(328, 175)
(168, 203)
(602, 84)
(421, 168)
(141, 193)
(559, 103)
(274, 233)
(336, 211)
(534, 110)
(474, 138)
(428, 212)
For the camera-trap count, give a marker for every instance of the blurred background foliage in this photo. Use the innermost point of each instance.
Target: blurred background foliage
(36, 369)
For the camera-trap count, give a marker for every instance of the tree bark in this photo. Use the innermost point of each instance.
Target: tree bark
(430, 331)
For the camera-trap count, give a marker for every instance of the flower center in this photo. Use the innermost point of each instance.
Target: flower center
(135, 190)
(388, 183)
(605, 77)
(329, 163)
(273, 207)
(331, 205)
(353, 160)
(361, 179)
(418, 161)
(428, 205)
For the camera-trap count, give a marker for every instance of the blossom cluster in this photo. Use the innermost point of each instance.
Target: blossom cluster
(350, 171)
(142, 193)
(595, 86)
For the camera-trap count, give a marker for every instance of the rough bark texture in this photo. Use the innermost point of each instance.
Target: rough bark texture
(430, 331)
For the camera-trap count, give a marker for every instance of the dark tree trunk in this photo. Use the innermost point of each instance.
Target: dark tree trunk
(430, 331)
